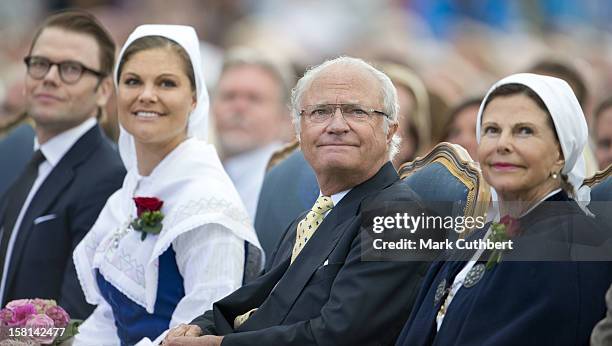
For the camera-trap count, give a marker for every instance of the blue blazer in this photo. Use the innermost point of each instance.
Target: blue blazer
(521, 303)
(71, 196)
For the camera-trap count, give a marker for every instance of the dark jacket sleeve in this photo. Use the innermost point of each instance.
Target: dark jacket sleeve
(206, 322)
(220, 320)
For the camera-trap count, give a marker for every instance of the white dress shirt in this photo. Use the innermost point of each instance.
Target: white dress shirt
(336, 198)
(53, 150)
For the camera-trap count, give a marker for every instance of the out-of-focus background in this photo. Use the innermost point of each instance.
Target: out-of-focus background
(457, 47)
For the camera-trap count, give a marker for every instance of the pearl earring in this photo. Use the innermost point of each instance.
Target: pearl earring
(554, 175)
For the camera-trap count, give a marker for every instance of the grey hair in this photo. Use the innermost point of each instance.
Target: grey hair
(387, 89)
(279, 70)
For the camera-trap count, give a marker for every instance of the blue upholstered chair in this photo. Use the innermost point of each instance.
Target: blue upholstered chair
(289, 188)
(601, 194)
(15, 152)
(448, 181)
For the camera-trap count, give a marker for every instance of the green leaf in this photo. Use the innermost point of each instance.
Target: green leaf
(136, 224)
(493, 259)
(153, 229)
(71, 330)
(148, 222)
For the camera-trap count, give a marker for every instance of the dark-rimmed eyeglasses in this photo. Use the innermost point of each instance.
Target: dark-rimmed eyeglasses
(322, 113)
(70, 71)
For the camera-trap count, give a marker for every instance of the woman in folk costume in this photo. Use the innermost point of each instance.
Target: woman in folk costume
(172, 240)
(549, 289)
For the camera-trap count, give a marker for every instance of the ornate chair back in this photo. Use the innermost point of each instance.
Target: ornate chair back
(449, 181)
(601, 194)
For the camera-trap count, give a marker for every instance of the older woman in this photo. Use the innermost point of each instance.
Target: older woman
(531, 135)
(171, 241)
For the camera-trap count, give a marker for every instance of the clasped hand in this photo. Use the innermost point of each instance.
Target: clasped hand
(190, 335)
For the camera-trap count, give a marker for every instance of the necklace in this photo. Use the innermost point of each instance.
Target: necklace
(119, 233)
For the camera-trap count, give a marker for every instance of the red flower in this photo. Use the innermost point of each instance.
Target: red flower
(147, 204)
(513, 228)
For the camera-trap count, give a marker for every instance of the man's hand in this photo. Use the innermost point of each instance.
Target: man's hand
(206, 340)
(183, 330)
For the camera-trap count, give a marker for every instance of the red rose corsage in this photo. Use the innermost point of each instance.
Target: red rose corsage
(149, 216)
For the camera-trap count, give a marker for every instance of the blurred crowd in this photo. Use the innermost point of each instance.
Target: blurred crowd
(453, 48)
(256, 66)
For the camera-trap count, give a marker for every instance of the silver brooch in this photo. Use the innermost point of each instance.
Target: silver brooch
(474, 275)
(440, 291)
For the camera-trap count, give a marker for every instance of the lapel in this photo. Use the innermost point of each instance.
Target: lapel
(341, 218)
(50, 190)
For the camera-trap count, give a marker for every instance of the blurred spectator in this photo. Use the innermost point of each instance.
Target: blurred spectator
(414, 121)
(12, 105)
(565, 71)
(251, 118)
(602, 131)
(439, 111)
(461, 126)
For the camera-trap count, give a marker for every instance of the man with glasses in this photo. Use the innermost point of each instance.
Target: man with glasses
(319, 290)
(73, 170)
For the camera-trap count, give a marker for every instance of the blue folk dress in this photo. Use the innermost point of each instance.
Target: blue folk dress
(133, 322)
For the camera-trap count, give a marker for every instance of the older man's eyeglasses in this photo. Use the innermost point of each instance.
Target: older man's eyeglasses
(70, 71)
(319, 114)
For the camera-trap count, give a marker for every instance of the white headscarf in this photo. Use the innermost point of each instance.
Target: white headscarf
(567, 117)
(186, 37)
(195, 190)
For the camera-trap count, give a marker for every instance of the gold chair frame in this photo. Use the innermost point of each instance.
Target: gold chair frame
(598, 177)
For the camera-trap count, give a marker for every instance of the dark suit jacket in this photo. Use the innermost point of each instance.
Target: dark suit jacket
(329, 295)
(72, 196)
(288, 190)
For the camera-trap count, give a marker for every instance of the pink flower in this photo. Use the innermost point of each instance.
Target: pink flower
(42, 305)
(43, 323)
(6, 317)
(18, 302)
(21, 314)
(58, 315)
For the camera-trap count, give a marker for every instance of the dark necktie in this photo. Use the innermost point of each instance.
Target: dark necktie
(15, 198)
